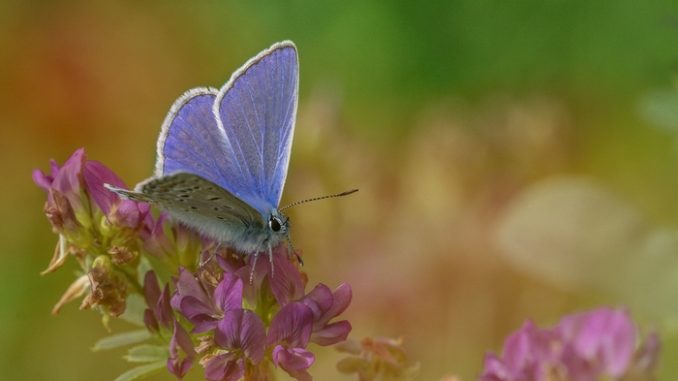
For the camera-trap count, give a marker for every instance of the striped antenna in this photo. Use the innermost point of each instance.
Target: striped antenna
(346, 193)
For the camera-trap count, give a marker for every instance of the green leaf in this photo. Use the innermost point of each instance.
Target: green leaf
(141, 371)
(121, 339)
(147, 353)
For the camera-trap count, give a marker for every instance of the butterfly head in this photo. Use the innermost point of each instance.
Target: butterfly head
(278, 223)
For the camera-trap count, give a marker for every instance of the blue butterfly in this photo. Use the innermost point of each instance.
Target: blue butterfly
(223, 154)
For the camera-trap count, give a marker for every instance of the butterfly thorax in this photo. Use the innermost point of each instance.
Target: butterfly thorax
(257, 237)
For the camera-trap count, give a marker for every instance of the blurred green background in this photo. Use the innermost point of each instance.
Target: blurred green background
(515, 159)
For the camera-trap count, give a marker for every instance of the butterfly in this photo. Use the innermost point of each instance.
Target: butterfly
(222, 155)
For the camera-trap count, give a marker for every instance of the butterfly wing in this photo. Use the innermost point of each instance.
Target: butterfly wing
(239, 137)
(202, 205)
(256, 110)
(190, 139)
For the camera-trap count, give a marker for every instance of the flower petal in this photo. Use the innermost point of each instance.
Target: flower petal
(162, 309)
(42, 180)
(603, 336)
(151, 288)
(228, 294)
(342, 298)
(67, 178)
(242, 329)
(96, 175)
(332, 333)
(292, 325)
(224, 367)
(287, 282)
(188, 285)
(177, 363)
(319, 300)
(495, 370)
(292, 359)
(193, 308)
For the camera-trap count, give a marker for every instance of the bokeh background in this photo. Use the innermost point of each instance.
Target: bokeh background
(515, 160)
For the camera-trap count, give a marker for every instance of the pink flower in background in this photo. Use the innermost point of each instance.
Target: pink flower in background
(598, 344)
(377, 358)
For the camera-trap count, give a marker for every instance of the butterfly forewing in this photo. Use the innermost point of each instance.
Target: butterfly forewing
(256, 110)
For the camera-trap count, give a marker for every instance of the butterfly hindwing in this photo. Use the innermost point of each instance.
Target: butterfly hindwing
(191, 140)
(200, 204)
(188, 194)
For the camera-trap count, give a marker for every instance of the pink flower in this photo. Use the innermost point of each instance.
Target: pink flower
(278, 275)
(204, 305)
(124, 213)
(326, 305)
(235, 312)
(241, 337)
(582, 347)
(75, 192)
(159, 312)
(289, 333)
(181, 352)
(64, 194)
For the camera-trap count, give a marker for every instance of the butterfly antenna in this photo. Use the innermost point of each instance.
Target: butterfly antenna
(346, 193)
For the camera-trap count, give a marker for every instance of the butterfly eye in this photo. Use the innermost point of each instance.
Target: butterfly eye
(274, 223)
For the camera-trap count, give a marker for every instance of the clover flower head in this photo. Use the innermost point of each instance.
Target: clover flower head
(95, 226)
(379, 358)
(238, 316)
(251, 325)
(77, 199)
(587, 346)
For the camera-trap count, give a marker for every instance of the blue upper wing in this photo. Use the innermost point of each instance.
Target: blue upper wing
(257, 109)
(239, 137)
(190, 140)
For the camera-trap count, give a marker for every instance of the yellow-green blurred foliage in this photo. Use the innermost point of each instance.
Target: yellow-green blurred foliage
(515, 159)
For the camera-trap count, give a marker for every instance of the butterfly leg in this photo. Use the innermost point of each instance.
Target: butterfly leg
(254, 266)
(290, 249)
(270, 259)
(127, 194)
(209, 255)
